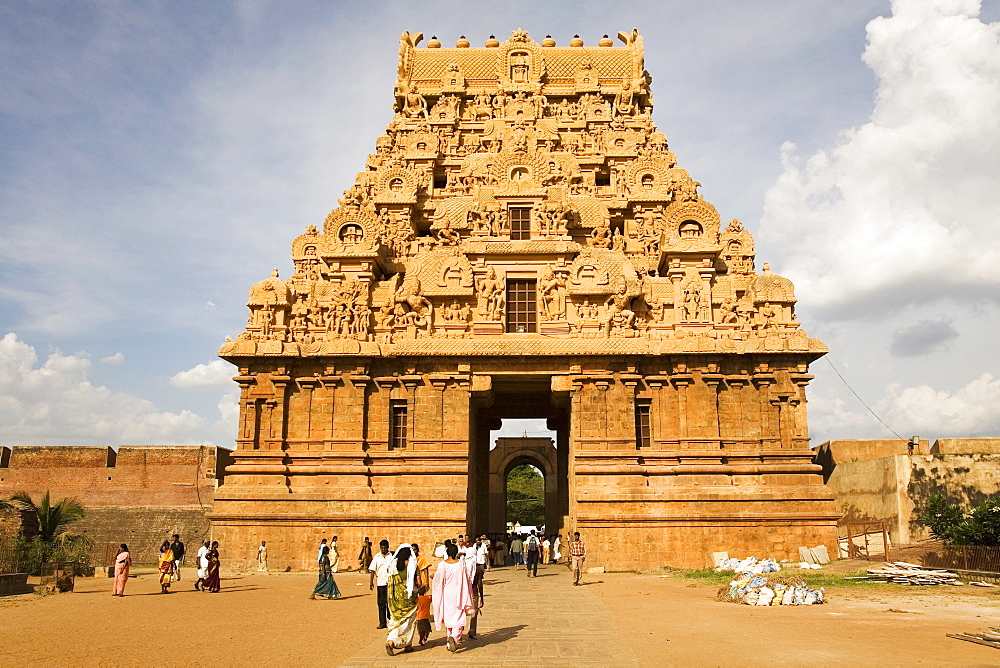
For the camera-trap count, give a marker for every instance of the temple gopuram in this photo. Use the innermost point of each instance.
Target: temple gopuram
(523, 244)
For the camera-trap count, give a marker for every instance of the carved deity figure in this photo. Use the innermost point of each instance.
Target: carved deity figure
(447, 236)
(727, 312)
(600, 237)
(625, 100)
(693, 305)
(490, 291)
(553, 291)
(620, 313)
(414, 105)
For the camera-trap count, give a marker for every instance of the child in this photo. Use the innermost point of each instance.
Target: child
(423, 613)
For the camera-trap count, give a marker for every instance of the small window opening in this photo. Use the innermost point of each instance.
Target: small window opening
(642, 433)
(397, 424)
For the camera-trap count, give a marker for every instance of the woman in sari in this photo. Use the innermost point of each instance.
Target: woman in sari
(166, 566)
(213, 582)
(452, 598)
(327, 586)
(123, 562)
(402, 601)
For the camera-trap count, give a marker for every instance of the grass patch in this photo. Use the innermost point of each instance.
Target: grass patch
(815, 580)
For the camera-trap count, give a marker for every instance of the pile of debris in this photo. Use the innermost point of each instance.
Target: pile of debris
(912, 574)
(747, 565)
(989, 638)
(753, 589)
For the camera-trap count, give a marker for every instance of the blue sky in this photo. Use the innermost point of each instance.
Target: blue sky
(157, 158)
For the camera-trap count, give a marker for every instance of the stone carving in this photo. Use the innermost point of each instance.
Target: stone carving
(552, 288)
(618, 234)
(490, 292)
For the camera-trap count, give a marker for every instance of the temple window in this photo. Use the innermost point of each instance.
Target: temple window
(397, 424)
(520, 222)
(396, 185)
(522, 308)
(642, 432)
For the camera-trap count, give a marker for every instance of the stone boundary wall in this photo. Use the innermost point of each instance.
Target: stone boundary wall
(133, 494)
(879, 480)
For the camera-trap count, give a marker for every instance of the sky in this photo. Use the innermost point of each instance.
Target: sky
(158, 158)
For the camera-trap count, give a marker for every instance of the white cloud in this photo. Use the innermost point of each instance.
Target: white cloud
(216, 373)
(55, 404)
(904, 208)
(971, 410)
(114, 360)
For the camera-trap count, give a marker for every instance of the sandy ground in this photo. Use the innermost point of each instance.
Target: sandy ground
(269, 620)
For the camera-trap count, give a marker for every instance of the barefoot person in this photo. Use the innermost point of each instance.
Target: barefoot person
(202, 559)
(380, 568)
(213, 581)
(262, 557)
(166, 566)
(452, 596)
(327, 586)
(123, 562)
(402, 597)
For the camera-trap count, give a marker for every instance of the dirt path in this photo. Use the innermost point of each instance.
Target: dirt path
(268, 620)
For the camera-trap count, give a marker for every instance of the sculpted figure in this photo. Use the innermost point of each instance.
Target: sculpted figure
(624, 100)
(553, 291)
(601, 237)
(727, 311)
(447, 236)
(491, 296)
(415, 106)
(619, 310)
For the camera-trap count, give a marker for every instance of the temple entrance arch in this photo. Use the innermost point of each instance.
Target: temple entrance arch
(511, 452)
(525, 396)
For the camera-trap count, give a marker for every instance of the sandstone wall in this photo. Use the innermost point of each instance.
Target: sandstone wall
(135, 494)
(895, 487)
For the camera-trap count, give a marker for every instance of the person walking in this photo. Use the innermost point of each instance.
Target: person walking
(177, 547)
(213, 581)
(532, 546)
(334, 555)
(202, 559)
(516, 551)
(402, 597)
(546, 544)
(365, 555)
(452, 596)
(262, 557)
(577, 555)
(482, 557)
(123, 562)
(557, 548)
(379, 570)
(166, 566)
(326, 587)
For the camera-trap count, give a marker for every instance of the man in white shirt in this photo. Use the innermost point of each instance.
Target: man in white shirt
(380, 571)
(482, 554)
(202, 565)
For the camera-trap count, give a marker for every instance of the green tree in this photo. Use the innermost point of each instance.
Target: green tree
(54, 520)
(951, 523)
(525, 496)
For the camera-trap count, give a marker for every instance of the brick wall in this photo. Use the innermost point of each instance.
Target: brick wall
(136, 494)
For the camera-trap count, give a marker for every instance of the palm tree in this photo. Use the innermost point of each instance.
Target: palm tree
(54, 520)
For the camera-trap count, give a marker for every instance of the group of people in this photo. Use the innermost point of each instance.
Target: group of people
(169, 561)
(408, 591)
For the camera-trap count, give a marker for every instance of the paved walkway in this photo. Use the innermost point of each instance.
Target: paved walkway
(543, 621)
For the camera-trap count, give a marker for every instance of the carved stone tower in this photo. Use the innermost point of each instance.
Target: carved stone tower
(522, 244)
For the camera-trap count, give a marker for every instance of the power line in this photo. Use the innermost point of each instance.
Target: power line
(862, 400)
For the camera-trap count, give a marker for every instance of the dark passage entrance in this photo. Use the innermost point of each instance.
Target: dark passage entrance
(520, 398)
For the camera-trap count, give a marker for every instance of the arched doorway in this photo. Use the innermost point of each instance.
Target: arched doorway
(509, 453)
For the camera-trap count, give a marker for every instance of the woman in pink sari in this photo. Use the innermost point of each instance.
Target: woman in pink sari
(123, 562)
(452, 597)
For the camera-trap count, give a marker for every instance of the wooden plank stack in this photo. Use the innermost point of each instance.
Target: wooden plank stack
(912, 574)
(989, 638)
